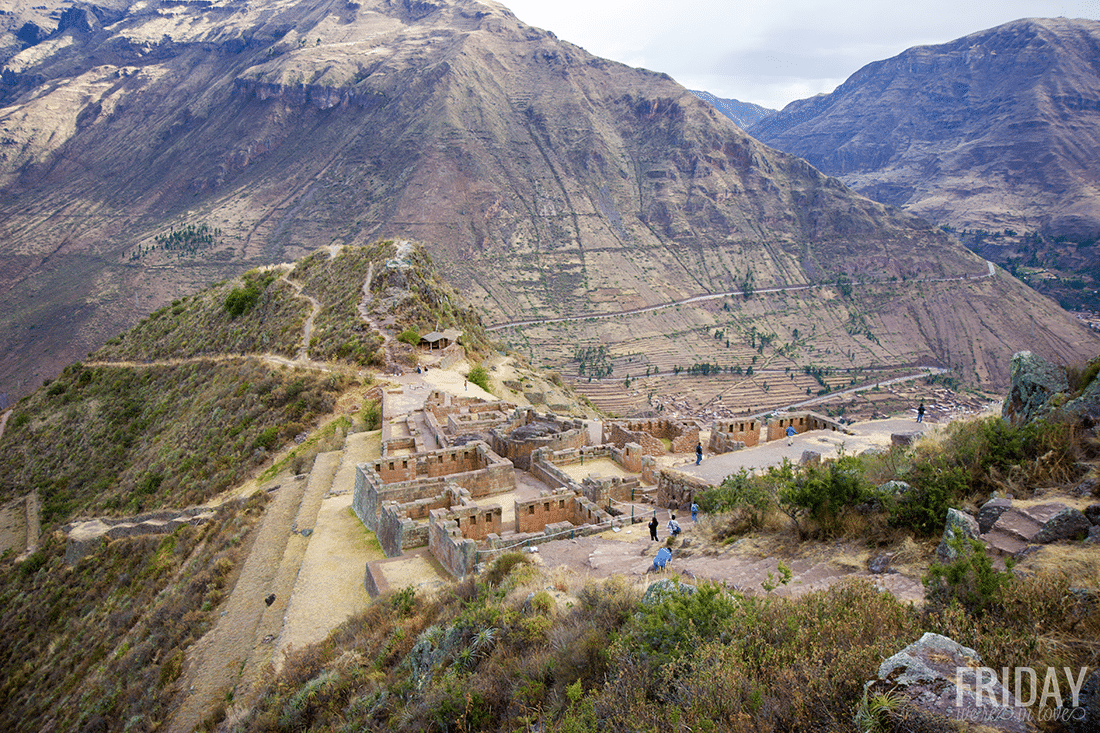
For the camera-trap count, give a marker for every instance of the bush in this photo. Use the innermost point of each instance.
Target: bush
(372, 414)
(410, 336)
(241, 300)
(970, 581)
(739, 491)
(479, 375)
(935, 487)
(824, 493)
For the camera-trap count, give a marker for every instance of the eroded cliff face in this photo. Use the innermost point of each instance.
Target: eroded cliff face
(997, 130)
(545, 181)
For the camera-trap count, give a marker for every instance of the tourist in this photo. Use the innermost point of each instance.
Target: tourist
(653, 527)
(674, 526)
(698, 453)
(694, 512)
(920, 412)
(791, 432)
(663, 556)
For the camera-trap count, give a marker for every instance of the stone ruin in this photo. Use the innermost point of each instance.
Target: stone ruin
(731, 435)
(449, 418)
(650, 434)
(405, 479)
(528, 431)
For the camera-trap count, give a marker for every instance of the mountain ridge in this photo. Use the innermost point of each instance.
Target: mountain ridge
(547, 182)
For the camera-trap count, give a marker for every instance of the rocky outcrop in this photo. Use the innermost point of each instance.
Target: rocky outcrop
(946, 679)
(1008, 529)
(990, 512)
(1067, 524)
(1084, 717)
(1035, 381)
(959, 526)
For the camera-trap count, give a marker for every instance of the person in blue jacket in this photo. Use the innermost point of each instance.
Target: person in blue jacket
(791, 432)
(663, 556)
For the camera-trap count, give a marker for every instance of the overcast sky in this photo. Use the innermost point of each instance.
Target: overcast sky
(772, 52)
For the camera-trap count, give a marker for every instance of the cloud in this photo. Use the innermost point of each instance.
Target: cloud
(772, 53)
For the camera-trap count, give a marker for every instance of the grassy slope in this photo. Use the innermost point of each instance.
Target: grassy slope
(169, 414)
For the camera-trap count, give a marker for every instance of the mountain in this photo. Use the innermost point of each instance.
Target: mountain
(151, 148)
(995, 131)
(743, 114)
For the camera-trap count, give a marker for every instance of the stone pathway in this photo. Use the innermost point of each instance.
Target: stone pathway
(873, 434)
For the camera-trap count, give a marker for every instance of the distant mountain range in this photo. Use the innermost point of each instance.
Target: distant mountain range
(996, 133)
(744, 114)
(150, 148)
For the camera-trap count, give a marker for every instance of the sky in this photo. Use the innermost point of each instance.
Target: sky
(772, 52)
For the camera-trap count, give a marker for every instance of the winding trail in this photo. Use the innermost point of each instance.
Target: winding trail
(307, 327)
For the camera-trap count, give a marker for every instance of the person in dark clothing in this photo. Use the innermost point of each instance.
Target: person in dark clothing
(653, 528)
(920, 412)
(698, 453)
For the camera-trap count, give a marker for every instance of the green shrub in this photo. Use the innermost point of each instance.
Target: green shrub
(410, 336)
(971, 580)
(372, 414)
(934, 487)
(479, 375)
(739, 491)
(824, 493)
(241, 300)
(267, 438)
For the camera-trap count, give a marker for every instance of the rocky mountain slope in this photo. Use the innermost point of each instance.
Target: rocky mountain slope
(151, 148)
(996, 130)
(744, 114)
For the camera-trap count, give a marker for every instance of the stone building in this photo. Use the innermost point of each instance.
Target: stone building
(528, 431)
(651, 434)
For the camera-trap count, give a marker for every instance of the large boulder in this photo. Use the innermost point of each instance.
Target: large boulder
(959, 525)
(1092, 513)
(1067, 524)
(991, 511)
(1034, 382)
(1085, 717)
(1086, 407)
(946, 679)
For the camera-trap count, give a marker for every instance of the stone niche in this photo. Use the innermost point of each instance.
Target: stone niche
(731, 435)
(528, 431)
(802, 422)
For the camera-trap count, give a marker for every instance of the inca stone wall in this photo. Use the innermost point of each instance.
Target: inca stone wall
(474, 467)
(682, 436)
(802, 422)
(528, 431)
(676, 490)
(555, 507)
(453, 551)
(731, 435)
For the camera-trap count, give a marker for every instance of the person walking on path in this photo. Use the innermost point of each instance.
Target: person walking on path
(694, 512)
(920, 412)
(674, 526)
(698, 453)
(791, 432)
(653, 528)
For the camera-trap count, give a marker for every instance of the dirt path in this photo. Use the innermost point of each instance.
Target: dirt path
(4, 421)
(307, 327)
(742, 565)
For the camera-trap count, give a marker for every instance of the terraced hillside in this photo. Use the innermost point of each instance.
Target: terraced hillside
(154, 147)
